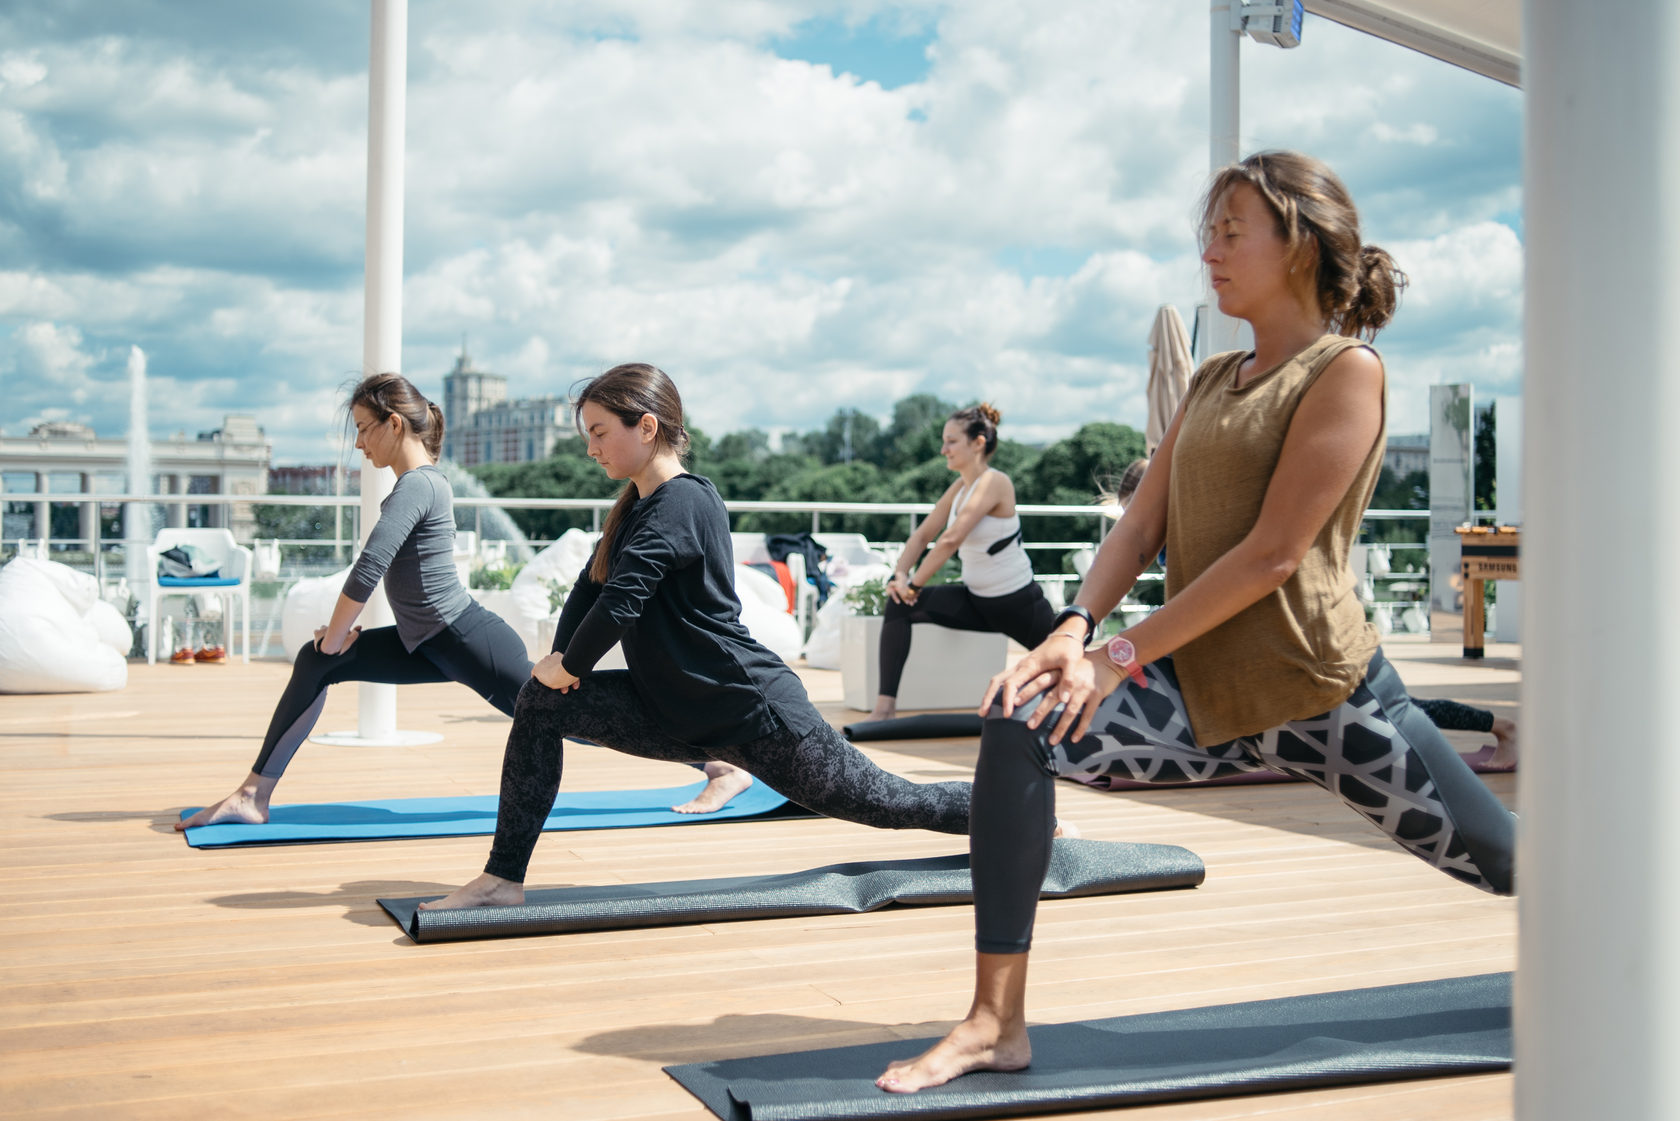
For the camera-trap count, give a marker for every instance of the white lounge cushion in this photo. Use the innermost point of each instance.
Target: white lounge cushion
(56, 636)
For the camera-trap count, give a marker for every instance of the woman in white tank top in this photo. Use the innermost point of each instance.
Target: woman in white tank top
(974, 520)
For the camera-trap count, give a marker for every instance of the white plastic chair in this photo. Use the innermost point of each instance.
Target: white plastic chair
(232, 582)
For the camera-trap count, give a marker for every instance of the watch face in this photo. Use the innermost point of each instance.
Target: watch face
(1121, 651)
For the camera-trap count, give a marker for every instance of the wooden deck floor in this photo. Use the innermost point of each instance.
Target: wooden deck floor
(140, 978)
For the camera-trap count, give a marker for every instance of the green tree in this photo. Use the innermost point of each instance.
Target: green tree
(912, 436)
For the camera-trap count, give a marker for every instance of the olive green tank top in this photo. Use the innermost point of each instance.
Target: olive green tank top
(1304, 648)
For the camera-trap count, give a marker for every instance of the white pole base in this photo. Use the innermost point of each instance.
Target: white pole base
(388, 739)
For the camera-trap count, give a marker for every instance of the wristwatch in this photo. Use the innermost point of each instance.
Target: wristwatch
(1077, 612)
(1124, 655)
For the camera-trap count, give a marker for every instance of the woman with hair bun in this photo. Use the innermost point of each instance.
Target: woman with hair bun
(441, 633)
(1261, 657)
(975, 521)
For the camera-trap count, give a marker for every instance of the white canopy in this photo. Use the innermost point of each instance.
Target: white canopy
(1480, 35)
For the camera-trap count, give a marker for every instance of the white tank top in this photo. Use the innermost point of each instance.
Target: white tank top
(993, 562)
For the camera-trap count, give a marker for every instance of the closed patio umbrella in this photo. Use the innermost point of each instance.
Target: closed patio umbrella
(1169, 372)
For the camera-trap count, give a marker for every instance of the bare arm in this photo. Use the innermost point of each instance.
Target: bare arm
(920, 538)
(992, 491)
(1332, 432)
(338, 634)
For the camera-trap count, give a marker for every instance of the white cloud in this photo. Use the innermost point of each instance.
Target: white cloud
(609, 180)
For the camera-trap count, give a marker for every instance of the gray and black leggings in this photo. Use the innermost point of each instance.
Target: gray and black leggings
(1375, 751)
(1025, 615)
(819, 771)
(478, 649)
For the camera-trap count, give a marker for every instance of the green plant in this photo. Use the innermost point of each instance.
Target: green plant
(869, 597)
(495, 579)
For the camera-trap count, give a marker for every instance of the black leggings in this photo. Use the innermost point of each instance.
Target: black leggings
(820, 771)
(1375, 751)
(1024, 615)
(478, 649)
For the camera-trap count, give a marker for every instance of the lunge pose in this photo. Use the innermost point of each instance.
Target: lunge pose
(1261, 656)
(698, 688)
(974, 520)
(441, 633)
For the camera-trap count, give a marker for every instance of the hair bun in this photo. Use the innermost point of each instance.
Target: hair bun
(986, 410)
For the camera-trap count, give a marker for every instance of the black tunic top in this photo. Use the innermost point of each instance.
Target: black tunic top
(670, 601)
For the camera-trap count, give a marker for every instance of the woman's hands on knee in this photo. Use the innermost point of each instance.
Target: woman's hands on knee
(1082, 690)
(349, 640)
(551, 671)
(1043, 667)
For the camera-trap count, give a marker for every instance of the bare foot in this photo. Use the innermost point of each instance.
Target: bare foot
(724, 782)
(972, 1045)
(886, 708)
(484, 891)
(242, 806)
(1066, 829)
(1504, 746)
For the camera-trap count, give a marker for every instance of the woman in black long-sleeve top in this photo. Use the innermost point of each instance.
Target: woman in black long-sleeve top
(698, 687)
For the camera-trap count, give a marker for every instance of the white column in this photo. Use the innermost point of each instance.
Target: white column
(43, 512)
(382, 292)
(1598, 983)
(1220, 332)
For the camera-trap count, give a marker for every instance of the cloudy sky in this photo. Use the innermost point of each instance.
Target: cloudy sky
(791, 206)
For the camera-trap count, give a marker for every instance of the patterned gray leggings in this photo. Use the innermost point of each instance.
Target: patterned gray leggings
(1375, 751)
(821, 771)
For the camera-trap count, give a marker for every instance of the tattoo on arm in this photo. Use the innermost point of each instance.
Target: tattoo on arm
(1143, 560)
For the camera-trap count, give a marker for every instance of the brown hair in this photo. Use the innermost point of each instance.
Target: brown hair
(979, 420)
(1357, 286)
(630, 392)
(385, 394)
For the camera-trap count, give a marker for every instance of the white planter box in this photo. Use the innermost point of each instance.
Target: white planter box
(947, 668)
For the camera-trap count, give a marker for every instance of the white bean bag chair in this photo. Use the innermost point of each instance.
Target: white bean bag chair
(764, 612)
(309, 604)
(56, 634)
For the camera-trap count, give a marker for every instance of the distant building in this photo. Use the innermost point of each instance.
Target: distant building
(69, 460)
(1406, 454)
(314, 479)
(482, 426)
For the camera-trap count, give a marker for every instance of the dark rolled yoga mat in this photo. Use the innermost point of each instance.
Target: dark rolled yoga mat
(1077, 867)
(922, 726)
(1456, 1026)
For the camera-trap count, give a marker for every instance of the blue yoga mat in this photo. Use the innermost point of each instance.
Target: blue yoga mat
(475, 815)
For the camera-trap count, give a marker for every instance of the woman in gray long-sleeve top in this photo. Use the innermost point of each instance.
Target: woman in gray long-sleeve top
(441, 634)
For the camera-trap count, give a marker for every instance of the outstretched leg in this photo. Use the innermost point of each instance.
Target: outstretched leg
(824, 773)
(376, 655)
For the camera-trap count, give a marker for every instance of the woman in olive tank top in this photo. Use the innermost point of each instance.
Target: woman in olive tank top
(1261, 657)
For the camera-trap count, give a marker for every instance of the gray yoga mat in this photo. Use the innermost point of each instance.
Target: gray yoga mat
(1077, 867)
(1433, 1028)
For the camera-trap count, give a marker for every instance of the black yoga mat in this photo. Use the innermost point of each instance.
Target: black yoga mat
(923, 726)
(1456, 1026)
(1077, 867)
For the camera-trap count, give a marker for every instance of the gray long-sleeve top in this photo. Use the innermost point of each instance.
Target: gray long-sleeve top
(411, 546)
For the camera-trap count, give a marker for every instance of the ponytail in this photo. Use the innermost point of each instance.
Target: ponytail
(387, 394)
(601, 566)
